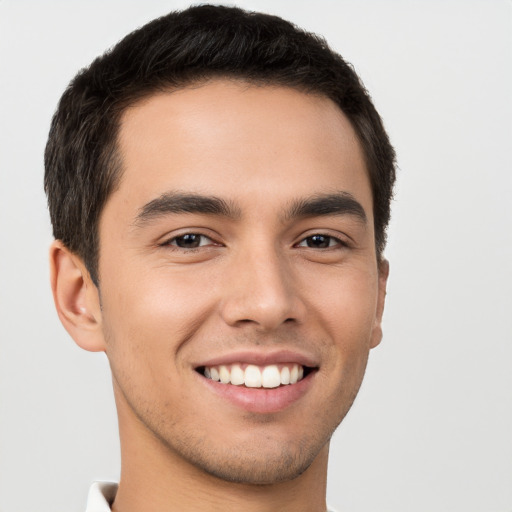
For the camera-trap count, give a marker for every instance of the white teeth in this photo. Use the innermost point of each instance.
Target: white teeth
(285, 375)
(270, 377)
(237, 375)
(255, 377)
(294, 374)
(252, 377)
(224, 374)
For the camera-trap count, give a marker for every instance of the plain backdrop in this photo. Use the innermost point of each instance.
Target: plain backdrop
(432, 427)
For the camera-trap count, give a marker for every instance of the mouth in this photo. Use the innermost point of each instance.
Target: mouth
(254, 376)
(259, 382)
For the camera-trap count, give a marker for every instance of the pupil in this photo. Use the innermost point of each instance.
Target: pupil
(189, 241)
(318, 241)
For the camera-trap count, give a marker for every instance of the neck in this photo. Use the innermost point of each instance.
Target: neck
(155, 478)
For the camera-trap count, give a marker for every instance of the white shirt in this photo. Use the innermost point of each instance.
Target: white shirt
(102, 494)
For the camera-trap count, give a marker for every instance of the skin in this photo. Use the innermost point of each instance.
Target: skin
(252, 284)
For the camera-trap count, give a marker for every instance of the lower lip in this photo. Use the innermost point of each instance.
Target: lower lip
(261, 400)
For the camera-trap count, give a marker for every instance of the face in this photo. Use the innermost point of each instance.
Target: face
(239, 246)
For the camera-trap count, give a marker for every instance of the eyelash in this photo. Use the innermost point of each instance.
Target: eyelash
(173, 242)
(337, 241)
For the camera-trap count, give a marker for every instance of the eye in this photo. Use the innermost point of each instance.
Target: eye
(189, 241)
(320, 242)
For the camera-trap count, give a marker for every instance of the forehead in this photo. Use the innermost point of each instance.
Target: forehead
(233, 138)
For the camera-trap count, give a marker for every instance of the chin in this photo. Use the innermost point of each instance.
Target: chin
(255, 460)
(259, 470)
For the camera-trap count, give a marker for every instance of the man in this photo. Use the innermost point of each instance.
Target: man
(219, 187)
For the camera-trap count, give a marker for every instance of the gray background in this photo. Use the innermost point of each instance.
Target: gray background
(432, 427)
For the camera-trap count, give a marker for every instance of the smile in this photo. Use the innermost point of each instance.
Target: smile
(252, 376)
(259, 382)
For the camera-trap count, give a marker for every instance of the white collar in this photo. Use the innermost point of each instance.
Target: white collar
(101, 496)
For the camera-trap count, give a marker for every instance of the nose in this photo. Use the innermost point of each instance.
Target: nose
(260, 290)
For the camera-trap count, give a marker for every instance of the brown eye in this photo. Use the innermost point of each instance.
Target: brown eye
(319, 242)
(190, 241)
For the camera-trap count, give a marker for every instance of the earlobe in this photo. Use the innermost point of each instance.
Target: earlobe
(381, 299)
(76, 298)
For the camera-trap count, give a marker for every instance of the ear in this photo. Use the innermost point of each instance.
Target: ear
(381, 299)
(76, 298)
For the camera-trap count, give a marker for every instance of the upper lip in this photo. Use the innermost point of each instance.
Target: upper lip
(260, 358)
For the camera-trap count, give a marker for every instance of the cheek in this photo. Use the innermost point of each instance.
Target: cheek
(346, 307)
(346, 311)
(349, 318)
(145, 325)
(152, 314)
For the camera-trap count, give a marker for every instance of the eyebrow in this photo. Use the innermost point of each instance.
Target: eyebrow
(339, 203)
(176, 203)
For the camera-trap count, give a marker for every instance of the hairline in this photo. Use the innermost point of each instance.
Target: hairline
(114, 164)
